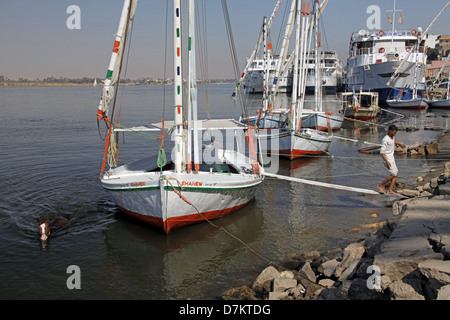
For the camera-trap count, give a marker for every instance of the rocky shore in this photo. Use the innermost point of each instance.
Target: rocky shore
(407, 258)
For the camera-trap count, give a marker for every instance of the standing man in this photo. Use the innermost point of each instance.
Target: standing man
(387, 153)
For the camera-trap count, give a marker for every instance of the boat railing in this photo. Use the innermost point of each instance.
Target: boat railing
(385, 33)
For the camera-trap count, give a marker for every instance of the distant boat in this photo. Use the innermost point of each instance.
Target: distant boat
(95, 82)
(445, 102)
(416, 103)
(360, 105)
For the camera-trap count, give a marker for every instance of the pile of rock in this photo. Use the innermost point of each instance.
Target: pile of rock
(418, 149)
(430, 187)
(407, 258)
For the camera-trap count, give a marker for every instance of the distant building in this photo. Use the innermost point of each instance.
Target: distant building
(432, 41)
(444, 45)
(435, 66)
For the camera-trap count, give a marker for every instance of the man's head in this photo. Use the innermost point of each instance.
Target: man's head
(392, 130)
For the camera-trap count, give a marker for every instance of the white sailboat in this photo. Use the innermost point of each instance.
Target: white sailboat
(171, 193)
(294, 141)
(318, 118)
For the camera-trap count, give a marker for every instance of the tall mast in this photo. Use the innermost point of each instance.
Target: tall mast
(192, 87)
(318, 61)
(112, 76)
(178, 88)
(296, 58)
(266, 70)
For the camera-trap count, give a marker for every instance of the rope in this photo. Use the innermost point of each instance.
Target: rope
(217, 226)
(256, 253)
(323, 184)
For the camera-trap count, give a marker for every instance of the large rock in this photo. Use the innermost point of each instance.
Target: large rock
(352, 252)
(267, 274)
(444, 293)
(307, 272)
(403, 291)
(282, 284)
(437, 272)
(432, 148)
(327, 268)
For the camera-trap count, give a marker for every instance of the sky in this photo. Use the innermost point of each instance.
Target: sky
(36, 42)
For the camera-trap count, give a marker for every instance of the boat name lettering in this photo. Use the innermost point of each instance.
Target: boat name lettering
(192, 183)
(137, 184)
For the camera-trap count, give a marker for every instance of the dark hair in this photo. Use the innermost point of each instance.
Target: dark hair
(393, 127)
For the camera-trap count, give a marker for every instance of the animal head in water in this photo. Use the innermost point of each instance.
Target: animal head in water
(44, 230)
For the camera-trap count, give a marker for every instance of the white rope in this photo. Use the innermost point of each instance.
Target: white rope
(322, 184)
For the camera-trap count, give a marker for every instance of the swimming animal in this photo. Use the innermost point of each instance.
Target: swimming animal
(47, 227)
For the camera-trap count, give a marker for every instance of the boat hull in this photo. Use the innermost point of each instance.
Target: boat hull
(169, 200)
(321, 121)
(440, 103)
(408, 104)
(293, 144)
(362, 113)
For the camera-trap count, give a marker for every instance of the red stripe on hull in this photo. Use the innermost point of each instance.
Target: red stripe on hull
(294, 154)
(178, 222)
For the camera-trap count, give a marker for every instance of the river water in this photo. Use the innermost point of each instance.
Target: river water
(50, 156)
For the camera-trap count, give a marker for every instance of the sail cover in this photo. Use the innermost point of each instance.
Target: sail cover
(115, 65)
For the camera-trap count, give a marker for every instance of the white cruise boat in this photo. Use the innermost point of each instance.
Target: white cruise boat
(254, 78)
(376, 54)
(332, 73)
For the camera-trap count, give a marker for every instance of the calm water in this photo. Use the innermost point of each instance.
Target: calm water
(50, 158)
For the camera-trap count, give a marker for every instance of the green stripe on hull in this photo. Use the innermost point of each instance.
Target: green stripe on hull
(184, 188)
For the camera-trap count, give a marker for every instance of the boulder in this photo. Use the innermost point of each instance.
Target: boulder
(447, 167)
(432, 148)
(409, 193)
(327, 268)
(352, 252)
(282, 284)
(327, 283)
(307, 272)
(350, 271)
(436, 271)
(444, 189)
(444, 293)
(402, 291)
(268, 273)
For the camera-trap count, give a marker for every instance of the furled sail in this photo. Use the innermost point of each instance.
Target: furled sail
(115, 64)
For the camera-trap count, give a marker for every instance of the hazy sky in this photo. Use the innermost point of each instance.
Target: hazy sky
(36, 43)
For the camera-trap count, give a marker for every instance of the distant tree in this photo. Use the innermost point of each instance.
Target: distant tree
(432, 54)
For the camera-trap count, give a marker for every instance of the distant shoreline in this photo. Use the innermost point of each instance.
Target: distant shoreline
(68, 84)
(42, 84)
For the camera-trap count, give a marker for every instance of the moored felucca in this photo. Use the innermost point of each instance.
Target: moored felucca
(172, 193)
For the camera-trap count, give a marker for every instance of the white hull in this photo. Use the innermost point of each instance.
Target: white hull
(408, 104)
(321, 121)
(170, 200)
(440, 103)
(294, 144)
